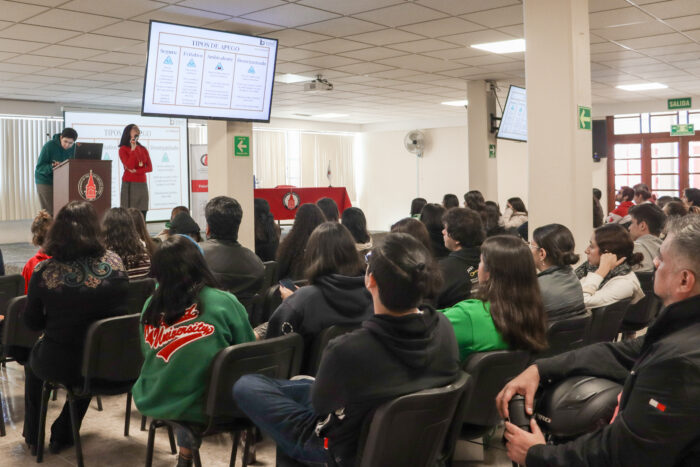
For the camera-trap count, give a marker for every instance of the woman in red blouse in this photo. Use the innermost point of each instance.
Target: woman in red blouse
(137, 163)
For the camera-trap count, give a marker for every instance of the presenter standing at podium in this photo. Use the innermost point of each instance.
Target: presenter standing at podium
(55, 151)
(137, 163)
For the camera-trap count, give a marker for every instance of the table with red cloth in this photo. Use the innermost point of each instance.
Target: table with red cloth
(284, 201)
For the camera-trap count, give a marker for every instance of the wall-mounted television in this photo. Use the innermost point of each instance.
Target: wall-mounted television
(514, 119)
(204, 73)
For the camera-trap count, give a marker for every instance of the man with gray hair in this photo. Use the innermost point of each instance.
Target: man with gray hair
(658, 419)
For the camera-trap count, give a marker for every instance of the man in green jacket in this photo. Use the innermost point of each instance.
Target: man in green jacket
(55, 151)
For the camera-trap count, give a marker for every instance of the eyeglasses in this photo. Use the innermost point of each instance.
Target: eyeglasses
(533, 246)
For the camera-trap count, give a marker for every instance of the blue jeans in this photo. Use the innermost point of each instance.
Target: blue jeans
(282, 409)
(187, 440)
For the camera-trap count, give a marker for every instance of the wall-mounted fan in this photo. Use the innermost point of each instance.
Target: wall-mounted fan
(415, 142)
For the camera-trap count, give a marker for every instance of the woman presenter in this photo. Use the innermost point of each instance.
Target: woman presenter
(137, 163)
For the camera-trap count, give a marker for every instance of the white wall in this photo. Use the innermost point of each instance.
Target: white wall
(511, 158)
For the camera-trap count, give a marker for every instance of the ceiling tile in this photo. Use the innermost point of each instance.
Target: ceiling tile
(15, 12)
(477, 37)
(605, 47)
(328, 61)
(400, 15)
(18, 68)
(243, 26)
(673, 8)
(290, 15)
(363, 68)
(684, 23)
(340, 27)
(602, 5)
(37, 33)
(655, 41)
(181, 15)
(385, 37)
(466, 6)
(295, 37)
(505, 16)
(290, 67)
(619, 17)
(105, 42)
(227, 7)
(516, 30)
(121, 9)
(334, 46)
(120, 58)
(397, 74)
(345, 7)
(632, 31)
(38, 60)
(454, 54)
(442, 27)
(62, 72)
(373, 53)
(6, 55)
(77, 53)
(424, 45)
(489, 59)
(420, 63)
(670, 49)
(71, 20)
(85, 65)
(289, 54)
(12, 45)
(125, 29)
(33, 78)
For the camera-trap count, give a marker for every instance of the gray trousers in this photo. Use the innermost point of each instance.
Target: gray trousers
(45, 197)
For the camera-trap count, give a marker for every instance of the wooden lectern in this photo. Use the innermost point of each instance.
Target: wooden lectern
(83, 180)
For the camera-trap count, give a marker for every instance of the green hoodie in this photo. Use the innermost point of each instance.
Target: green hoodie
(50, 153)
(177, 358)
(474, 327)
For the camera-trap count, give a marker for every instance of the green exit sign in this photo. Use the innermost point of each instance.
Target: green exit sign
(681, 103)
(684, 129)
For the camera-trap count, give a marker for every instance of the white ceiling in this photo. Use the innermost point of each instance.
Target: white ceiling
(389, 60)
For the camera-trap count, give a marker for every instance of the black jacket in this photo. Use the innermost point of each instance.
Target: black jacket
(459, 272)
(438, 243)
(389, 357)
(238, 269)
(662, 366)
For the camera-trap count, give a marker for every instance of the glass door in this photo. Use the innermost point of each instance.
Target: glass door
(664, 169)
(628, 164)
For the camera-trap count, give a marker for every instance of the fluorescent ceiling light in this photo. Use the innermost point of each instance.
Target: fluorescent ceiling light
(330, 115)
(290, 78)
(502, 47)
(641, 86)
(456, 103)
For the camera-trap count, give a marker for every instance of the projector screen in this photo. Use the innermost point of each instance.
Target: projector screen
(514, 119)
(195, 72)
(166, 141)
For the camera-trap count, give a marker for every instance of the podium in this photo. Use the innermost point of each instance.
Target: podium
(83, 180)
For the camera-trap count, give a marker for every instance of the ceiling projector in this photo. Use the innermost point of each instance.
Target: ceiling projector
(318, 85)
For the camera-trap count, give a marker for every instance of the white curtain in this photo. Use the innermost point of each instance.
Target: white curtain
(318, 151)
(21, 140)
(269, 158)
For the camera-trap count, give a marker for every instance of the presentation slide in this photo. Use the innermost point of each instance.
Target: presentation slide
(166, 141)
(514, 120)
(194, 72)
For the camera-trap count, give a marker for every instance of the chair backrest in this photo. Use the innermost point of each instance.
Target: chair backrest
(279, 357)
(112, 350)
(606, 321)
(642, 312)
(10, 287)
(139, 291)
(321, 342)
(270, 276)
(567, 334)
(411, 429)
(272, 299)
(15, 332)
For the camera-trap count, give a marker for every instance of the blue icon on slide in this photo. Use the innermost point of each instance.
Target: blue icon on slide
(219, 67)
(168, 60)
(106, 157)
(165, 157)
(191, 63)
(251, 70)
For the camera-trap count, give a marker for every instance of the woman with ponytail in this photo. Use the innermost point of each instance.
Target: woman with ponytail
(507, 312)
(552, 248)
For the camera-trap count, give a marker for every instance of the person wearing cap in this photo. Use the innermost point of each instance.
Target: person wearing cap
(58, 149)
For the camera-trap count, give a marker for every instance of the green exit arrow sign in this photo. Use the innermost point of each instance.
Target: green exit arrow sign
(241, 146)
(584, 118)
(684, 129)
(680, 103)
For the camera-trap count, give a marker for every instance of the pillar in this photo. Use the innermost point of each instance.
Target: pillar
(482, 169)
(558, 77)
(231, 175)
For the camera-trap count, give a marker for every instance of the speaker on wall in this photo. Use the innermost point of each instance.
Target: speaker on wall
(600, 140)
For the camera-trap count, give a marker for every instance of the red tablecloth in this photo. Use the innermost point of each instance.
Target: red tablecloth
(284, 202)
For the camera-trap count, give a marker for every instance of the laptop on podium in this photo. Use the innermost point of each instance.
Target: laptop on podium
(90, 151)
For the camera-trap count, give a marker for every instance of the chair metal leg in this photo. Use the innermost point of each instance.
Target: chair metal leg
(171, 436)
(99, 404)
(151, 442)
(45, 394)
(54, 394)
(246, 449)
(76, 429)
(2, 422)
(197, 459)
(143, 422)
(127, 417)
(234, 450)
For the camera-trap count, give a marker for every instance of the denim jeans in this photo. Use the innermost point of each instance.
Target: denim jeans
(282, 409)
(187, 440)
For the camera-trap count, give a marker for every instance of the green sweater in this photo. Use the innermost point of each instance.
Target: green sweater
(474, 328)
(177, 358)
(50, 153)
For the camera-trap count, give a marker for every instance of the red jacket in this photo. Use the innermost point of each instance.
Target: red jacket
(138, 160)
(29, 267)
(619, 213)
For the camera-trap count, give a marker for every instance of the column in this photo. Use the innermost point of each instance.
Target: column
(231, 174)
(558, 76)
(482, 169)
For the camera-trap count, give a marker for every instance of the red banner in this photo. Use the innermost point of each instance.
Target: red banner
(200, 186)
(284, 202)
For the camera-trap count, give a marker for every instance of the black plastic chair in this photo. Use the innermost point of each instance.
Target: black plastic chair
(606, 321)
(139, 291)
(270, 277)
(315, 354)
(279, 357)
(641, 314)
(111, 364)
(567, 334)
(10, 287)
(16, 336)
(411, 429)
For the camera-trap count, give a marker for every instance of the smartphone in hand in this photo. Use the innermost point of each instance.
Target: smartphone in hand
(288, 284)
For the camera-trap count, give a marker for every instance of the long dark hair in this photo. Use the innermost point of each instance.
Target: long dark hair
(490, 217)
(513, 292)
(264, 221)
(290, 253)
(450, 201)
(474, 200)
(120, 235)
(329, 208)
(126, 136)
(182, 273)
(517, 204)
(142, 230)
(331, 250)
(614, 238)
(75, 233)
(431, 216)
(417, 205)
(416, 229)
(356, 222)
(558, 242)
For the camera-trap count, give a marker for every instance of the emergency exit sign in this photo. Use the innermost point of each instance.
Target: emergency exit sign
(680, 103)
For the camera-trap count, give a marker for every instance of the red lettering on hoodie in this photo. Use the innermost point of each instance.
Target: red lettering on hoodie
(170, 339)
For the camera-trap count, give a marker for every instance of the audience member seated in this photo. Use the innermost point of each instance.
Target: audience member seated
(450, 201)
(417, 206)
(187, 301)
(658, 418)
(598, 214)
(414, 228)
(619, 215)
(183, 224)
(691, 198)
(507, 311)
(642, 194)
(553, 247)
(647, 224)
(290, 254)
(463, 235)
(663, 201)
(329, 209)
(166, 231)
(142, 230)
(400, 350)
(354, 220)
(515, 214)
(431, 217)
(336, 293)
(267, 233)
(675, 209)
(607, 277)
(474, 200)
(237, 269)
(522, 231)
(492, 220)
(40, 227)
(120, 236)
(81, 283)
